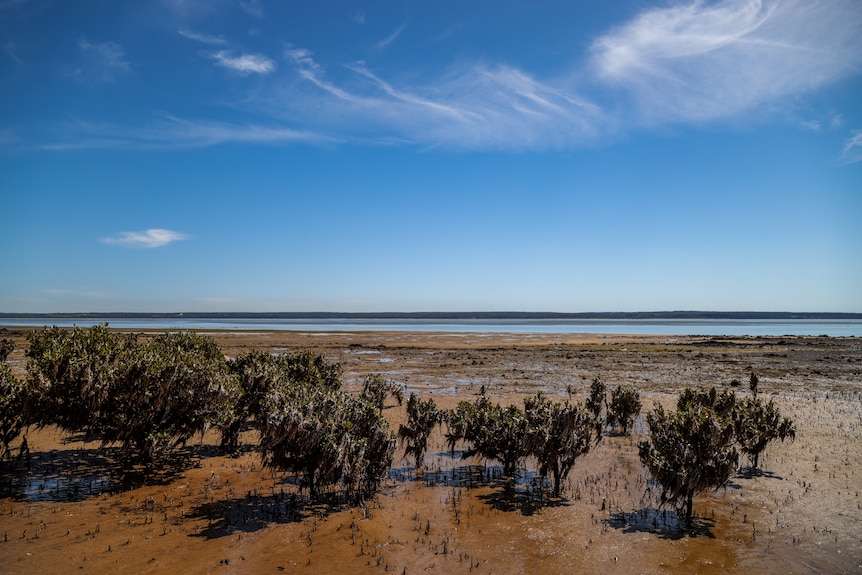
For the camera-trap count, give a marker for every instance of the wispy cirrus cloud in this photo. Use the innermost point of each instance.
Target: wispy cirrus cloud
(408, 98)
(251, 7)
(170, 132)
(244, 63)
(852, 151)
(476, 106)
(308, 68)
(99, 62)
(684, 63)
(11, 51)
(151, 238)
(701, 61)
(201, 133)
(385, 43)
(691, 62)
(202, 38)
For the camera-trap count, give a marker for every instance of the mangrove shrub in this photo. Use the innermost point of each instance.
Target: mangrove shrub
(691, 449)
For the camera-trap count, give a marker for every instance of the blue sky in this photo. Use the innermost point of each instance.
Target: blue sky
(242, 155)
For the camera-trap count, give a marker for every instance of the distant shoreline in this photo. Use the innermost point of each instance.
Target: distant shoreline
(507, 315)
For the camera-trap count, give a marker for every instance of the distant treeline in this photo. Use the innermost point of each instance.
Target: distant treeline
(445, 315)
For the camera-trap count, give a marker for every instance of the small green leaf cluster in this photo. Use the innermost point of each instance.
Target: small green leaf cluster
(375, 390)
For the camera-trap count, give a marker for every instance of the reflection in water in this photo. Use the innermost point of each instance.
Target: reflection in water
(63, 489)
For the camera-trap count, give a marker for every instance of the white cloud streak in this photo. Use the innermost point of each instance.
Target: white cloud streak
(193, 133)
(473, 107)
(690, 62)
(252, 8)
(852, 152)
(244, 63)
(11, 50)
(151, 238)
(701, 61)
(173, 132)
(202, 38)
(308, 69)
(385, 43)
(406, 97)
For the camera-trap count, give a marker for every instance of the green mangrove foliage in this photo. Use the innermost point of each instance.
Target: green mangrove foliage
(557, 434)
(175, 386)
(691, 449)
(309, 426)
(596, 400)
(490, 430)
(259, 373)
(375, 390)
(13, 401)
(422, 417)
(149, 396)
(757, 424)
(13, 408)
(74, 372)
(7, 346)
(327, 436)
(624, 406)
(152, 395)
(554, 434)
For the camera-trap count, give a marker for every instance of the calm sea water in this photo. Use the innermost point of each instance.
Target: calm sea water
(837, 328)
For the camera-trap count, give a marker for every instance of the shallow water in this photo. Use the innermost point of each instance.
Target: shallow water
(837, 328)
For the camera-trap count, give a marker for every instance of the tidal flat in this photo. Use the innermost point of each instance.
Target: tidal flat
(75, 508)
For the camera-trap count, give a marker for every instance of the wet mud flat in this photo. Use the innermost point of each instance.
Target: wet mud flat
(78, 508)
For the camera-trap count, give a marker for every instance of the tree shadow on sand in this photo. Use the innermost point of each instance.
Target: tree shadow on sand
(509, 499)
(254, 512)
(665, 523)
(76, 474)
(752, 472)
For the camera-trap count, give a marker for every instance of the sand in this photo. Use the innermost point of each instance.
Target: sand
(74, 509)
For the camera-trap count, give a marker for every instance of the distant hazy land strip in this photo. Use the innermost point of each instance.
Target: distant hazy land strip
(485, 315)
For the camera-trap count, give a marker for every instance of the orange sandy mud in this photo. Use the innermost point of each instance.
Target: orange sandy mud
(76, 509)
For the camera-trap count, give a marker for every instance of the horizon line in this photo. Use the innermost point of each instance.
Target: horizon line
(459, 315)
